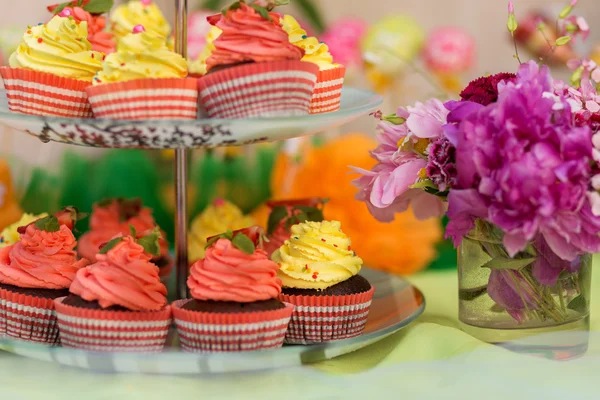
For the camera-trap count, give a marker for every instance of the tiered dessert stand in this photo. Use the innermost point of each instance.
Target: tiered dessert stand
(396, 302)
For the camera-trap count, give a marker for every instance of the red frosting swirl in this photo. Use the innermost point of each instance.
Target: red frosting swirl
(228, 274)
(125, 277)
(105, 223)
(42, 260)
(247, 36)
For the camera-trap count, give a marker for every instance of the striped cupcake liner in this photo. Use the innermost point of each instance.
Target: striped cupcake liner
(112, 331)
(160, 98)
(44, 94)
(28, 318)
(268, 89)
(206, 332)
(318, 319)
(328, 91)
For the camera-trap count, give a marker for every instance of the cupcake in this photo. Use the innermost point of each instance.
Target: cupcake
(50, 70)
(218, 217)
(33, 272)
(139, 12)
(198, 67)
(101, 40)
(118, 303)
(286, 213)
(234, 304)
(319, 273)
(143, 79)
(328, 89)
(117, 216)
(10, 235)
(253, 70)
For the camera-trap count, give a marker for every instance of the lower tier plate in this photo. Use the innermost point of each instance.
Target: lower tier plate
(395, 305)
(174, 134)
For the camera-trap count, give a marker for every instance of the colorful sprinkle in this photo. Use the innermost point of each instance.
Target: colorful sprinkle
(323, 240)
(304, 36)
(122, 64)
(73, 26)
(40, 23)
(349, 248)
(40, 40)
(103, 57)
(29, 32)
(315, 275)
(92, 55)
(296, 237)
(335, 245)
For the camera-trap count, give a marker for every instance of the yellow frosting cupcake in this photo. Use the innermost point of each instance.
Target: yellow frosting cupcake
(59, 47)
(141, 55)
(217, 218)
(314, 51)
(126, 16)
(10, 235)
(317, 255)
(198, 67)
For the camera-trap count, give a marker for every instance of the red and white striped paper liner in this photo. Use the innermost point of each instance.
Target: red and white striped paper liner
(268, 89)
(113, 331)
(207, 332)
(328, 91)
(44, 94)
(152, 98)
(28, 318)
(318, 319)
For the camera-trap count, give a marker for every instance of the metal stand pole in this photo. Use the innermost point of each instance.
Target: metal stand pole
(181, 168)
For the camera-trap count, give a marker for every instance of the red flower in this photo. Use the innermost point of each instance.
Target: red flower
(484, 90)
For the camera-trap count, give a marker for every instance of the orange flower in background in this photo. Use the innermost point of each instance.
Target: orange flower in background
(404, 246)
(10, 211)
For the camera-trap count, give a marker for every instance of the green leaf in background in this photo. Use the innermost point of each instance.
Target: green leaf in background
(312, 14)
(561, 41)
(99, 6)
(277, 215)
(214, 5)
(500, 263)
(110, 245)
(243, 243)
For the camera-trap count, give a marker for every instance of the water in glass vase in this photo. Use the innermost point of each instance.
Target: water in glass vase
(534, 298)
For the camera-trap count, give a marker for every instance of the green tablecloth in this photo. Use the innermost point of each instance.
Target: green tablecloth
(430, 359)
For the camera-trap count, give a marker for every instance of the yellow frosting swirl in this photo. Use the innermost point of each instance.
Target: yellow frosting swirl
(10, 235)
(126, 16)
(59, 47)
(317, 255)
(199, 66)
(216, 219)
(314, 51)
(141, 55)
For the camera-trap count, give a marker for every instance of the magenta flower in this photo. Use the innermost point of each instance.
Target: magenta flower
(524, 166)
(512, 292)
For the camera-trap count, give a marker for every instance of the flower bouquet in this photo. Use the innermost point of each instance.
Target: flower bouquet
(514, 164)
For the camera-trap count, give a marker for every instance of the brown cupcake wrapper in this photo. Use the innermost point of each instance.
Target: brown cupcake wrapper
(223, 332)
(28, 318)
(43, 94)
(318, 319)
(152, 98)
(328, 91)
(113, 331)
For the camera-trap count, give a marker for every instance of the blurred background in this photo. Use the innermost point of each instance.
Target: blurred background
(431, 48)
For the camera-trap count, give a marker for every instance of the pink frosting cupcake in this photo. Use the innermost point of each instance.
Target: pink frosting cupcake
(114, 217)
(234, 305)
(33, 272)
(118, 303)
(254, 71)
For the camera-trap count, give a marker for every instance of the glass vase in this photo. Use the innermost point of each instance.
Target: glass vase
(523, 301)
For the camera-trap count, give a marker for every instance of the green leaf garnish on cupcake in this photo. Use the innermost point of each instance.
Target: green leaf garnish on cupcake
(246, 240)
(149, 242)
(301, 211)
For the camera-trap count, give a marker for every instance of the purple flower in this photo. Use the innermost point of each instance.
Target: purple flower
(523, 166)
(441, 164)
(512, 292)
(548, 266)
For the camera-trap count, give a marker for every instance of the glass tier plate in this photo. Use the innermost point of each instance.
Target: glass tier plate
(172, 134)
(395, 305)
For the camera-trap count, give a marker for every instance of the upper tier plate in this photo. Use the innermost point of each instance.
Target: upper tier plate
(172, 134)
